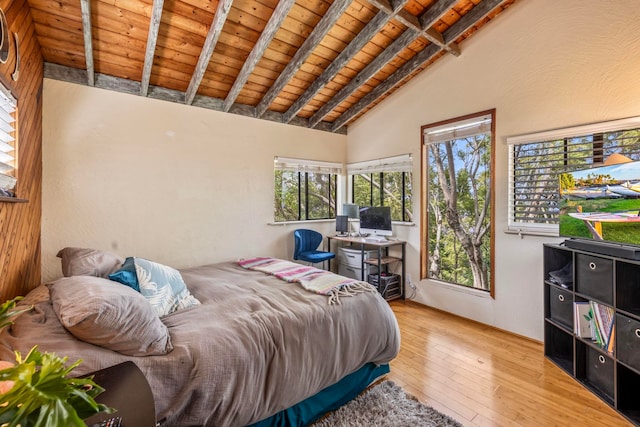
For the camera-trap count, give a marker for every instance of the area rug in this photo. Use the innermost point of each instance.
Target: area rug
(386, 405)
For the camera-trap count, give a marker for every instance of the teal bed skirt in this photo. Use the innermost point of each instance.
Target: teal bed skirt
(329, 399)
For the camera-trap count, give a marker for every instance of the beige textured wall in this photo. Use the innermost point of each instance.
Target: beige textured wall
(176, 184)
(543, 64)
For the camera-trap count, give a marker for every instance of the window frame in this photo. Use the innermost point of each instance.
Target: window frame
(8, 145)
(302, 168)
(569, 136)
(449, 128)
(396, 164)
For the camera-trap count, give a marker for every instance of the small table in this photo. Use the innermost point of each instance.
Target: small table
(594, 220)
(127, 390)
(380, 245)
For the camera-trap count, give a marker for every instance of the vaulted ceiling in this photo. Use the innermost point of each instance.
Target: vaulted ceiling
(313, 63)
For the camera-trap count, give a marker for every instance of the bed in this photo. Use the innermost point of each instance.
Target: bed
(255, 349)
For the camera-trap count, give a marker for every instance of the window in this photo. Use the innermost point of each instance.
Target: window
(384, 182)
(457, 204)
(305, 189)
(8, 151)
(536, 160)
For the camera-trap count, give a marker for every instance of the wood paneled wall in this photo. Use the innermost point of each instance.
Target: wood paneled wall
(20, 222)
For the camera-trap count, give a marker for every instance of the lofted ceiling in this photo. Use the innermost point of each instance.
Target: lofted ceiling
(313, 63)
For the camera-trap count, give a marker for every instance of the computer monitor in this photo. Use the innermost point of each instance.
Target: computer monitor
(376, 220)
(351, 210)
(342, 225)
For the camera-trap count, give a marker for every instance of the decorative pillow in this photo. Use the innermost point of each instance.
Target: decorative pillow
(127, 274)
(98, 311)
(163, 287)
(88, 262)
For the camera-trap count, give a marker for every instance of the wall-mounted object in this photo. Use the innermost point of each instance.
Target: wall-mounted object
(16, 71)
(5, 44)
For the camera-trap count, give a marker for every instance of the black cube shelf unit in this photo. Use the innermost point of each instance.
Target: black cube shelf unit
(615, 282)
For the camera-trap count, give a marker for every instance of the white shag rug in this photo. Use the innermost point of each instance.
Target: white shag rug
(386, 405)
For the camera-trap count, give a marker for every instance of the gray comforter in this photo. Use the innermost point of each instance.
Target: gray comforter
(256, 345)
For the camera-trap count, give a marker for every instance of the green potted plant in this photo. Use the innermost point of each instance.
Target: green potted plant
(37, 391)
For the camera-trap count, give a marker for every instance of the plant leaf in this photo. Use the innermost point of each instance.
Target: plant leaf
(45, 396)
(7, 311)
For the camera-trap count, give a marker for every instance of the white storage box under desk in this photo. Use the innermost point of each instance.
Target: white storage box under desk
(353, 257)
(356, 272)
(350, 263)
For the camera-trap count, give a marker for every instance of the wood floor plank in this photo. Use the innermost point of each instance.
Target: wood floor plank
(483, 376)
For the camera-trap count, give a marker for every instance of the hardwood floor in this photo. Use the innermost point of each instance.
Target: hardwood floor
(483, 376)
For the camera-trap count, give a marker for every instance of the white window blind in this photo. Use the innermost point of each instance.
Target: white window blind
(305, 189)
(8, 152)
(402, 163)
(302, 165)
(536, 160)
(460, 129)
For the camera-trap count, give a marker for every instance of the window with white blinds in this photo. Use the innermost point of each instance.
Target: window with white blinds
(384, 182)
(8, 151)
(536, 160)
(305, 189)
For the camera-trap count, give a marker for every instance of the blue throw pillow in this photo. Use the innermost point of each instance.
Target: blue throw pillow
(163, 287)
(127, 274)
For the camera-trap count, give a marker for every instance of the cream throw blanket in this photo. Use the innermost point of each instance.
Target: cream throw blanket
(310, 278)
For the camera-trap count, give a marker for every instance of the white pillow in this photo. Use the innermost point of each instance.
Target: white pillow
(163, 287)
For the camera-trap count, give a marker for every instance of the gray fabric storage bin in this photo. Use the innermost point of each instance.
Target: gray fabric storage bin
(599, 372)
(628, 341)
(561, 306)
(594, 277)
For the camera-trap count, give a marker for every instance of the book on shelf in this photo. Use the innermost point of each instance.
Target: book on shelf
(603, 326)
(612, 341)
(582, 320)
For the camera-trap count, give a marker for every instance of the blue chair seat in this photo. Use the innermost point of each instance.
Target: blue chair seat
(316, 256)
(306, 247)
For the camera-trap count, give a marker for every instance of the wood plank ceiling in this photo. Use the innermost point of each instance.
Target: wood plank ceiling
(314, 63)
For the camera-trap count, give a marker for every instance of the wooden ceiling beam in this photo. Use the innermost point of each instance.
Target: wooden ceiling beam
(152, 39)
(367, 72)
(471, 18)
(368, 32)
(321, 29)
(463, 24)
(431, 17)
(279, 14)
(402, 72)
(351, 44)
(207, 49)
(85, 7)
(415, 27)
(117, 84)
(426, 21)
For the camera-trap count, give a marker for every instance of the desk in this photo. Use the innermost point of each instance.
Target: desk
(381, 260)
(127, 390)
